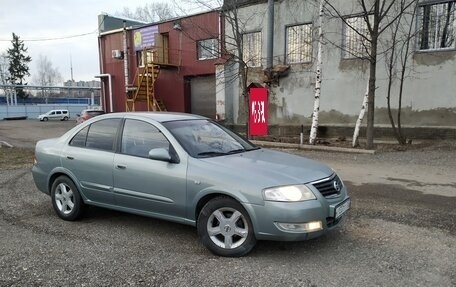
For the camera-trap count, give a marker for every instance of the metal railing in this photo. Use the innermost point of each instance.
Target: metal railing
(9, 94)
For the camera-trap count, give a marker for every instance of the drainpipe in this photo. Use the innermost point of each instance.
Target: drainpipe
(125, 49)
(270, 36)
(110, 89)
(101, 54)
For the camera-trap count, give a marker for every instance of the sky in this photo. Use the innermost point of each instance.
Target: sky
(72, 24)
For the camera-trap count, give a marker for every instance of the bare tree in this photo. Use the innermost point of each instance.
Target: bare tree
(4, 74)
(378, 16)
(396, 65)
(46, 74)
(238, 47)
(150, 12)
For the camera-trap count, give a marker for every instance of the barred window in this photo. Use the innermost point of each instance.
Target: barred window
(436, 24)
(355, 45)
(299, 44)
(207, 49)
(251, 48)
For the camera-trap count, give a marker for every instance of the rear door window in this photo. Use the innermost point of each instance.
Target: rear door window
(99, 135)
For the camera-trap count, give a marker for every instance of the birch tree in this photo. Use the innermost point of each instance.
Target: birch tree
(355, 141)
(316, 109)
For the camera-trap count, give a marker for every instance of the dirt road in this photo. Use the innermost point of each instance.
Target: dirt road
(400, 231)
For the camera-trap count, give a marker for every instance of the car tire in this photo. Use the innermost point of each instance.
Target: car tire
(66, 200)
(225, 228)
(65, 119)
(45, 119)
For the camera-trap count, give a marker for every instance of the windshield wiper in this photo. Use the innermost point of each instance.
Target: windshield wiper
(253, 148)
(236, 151)
(211, 153)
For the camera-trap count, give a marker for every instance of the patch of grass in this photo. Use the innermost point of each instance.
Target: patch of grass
(15, 157)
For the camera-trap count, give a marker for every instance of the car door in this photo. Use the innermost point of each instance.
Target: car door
(89, 157)
(143, 184)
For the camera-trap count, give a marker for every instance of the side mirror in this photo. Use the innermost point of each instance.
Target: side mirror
(160, 154)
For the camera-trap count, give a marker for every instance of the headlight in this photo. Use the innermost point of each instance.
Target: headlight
(288, 193)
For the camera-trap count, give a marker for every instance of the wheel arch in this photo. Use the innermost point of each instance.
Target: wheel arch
(209, 196)
(61, 172)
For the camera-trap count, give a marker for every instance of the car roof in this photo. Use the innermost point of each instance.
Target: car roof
(92, 110)
(158, 116)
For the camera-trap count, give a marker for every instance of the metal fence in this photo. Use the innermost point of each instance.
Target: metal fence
(41, 99)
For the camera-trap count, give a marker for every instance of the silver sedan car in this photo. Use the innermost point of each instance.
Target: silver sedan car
(189, 169)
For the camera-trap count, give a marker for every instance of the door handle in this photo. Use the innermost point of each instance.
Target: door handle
(69, 157)
(121, 166)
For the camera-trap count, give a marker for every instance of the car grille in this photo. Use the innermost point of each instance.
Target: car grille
(329, 187)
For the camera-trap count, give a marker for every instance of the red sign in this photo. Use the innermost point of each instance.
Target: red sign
(258, 111)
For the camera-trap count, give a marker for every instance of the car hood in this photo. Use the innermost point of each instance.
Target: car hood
(271, 167)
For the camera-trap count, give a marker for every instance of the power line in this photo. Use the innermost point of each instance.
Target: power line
(51, 39)
(59, 38)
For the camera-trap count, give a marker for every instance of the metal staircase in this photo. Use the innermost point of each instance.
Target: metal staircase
(143, 87)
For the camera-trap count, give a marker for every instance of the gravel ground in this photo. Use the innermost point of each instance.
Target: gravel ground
(400, 231)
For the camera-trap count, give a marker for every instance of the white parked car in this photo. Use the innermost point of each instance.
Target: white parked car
(62, 115)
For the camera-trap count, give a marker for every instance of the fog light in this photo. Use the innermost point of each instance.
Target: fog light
(300, 227)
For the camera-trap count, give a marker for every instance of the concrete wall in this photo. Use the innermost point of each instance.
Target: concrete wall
(429, 95)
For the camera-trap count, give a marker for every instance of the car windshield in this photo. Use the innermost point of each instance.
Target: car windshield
(204, 138)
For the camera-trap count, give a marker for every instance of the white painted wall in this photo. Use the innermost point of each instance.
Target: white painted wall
(431, 83)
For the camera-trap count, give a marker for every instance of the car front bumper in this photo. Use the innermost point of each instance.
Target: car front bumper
(267, 218)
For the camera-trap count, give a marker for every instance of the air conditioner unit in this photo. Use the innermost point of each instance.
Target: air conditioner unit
(117, 54)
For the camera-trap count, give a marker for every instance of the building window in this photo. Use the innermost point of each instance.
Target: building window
(208, 49)
(299, 44)
(355, 32)
(436, 24)
(251, 49)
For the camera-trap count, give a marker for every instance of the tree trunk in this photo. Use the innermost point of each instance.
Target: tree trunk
(372, 80)
(316, 109)
(360, 117)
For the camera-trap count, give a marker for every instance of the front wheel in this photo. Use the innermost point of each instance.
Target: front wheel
(66, 200)
(225, 228)
(45, 119)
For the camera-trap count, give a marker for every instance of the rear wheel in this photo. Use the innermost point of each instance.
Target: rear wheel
(66, 200)
(225, 228)
(65, 118)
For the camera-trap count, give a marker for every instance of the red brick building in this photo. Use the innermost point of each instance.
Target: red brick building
(168, 65)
